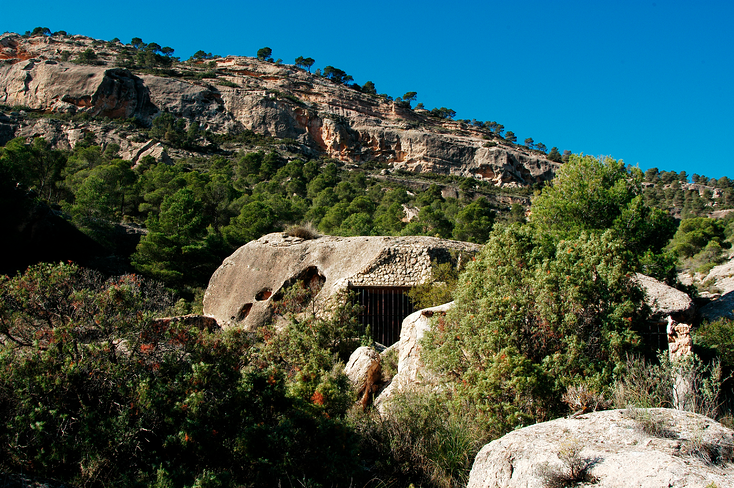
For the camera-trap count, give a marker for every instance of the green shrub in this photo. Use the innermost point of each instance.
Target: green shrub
(439, 288)
(82, 362)
(718, 335)
(421, 439)
(228, 83)
(532, 317)
(694, 234)
(87, 56)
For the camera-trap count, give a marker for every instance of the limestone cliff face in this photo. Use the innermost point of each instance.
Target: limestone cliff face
(61, 87)
(276, 100)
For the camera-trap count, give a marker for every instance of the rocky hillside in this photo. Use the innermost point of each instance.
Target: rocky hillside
(49, 83)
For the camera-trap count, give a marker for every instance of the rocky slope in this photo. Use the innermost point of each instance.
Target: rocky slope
(231, 94)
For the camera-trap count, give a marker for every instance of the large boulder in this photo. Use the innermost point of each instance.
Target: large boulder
(412, 372)
(242, 290)
(364, 371)
(665, 300)
(611, 449)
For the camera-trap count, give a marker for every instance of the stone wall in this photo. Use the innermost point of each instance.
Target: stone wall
(408, 264)
(403, 265)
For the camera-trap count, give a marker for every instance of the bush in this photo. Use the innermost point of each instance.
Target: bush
(421, 439)
(87, 56)
(643, 384)
(575, 469)
(589, 194)
(307, 231)
(227, 83)
(95, 392)
(532, 317)
(718, 335)
(440, 287)
(694, 234)
(649, 385)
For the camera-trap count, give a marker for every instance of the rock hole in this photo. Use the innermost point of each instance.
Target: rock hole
(299, 290)
(263, 294)
(244, 311)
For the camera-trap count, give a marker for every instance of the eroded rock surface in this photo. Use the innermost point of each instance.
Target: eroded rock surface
(242, 290)
(324, 118)
(717, 285)
(665, 300)
(721, 307)
(689, 451)
(412, 372)
(364, 371)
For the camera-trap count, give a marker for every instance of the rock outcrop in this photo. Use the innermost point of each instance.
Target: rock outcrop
(719, 308)
(239, 93)
(66, 87)
(615, 448)
(242, 290)
(722, 277)
(365, 372)
(412, 372)
(664, 300)
(718, 285)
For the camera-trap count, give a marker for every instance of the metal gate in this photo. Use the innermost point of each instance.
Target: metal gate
(655, 337)
(383, 310)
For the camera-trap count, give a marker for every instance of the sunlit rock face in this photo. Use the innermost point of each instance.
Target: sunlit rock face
(323, 118)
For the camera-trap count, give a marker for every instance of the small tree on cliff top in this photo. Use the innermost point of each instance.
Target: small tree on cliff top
(263, 54)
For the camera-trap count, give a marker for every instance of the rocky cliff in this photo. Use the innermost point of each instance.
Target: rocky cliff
(232, 94)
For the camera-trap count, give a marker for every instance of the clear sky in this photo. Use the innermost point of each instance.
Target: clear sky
(649, 82)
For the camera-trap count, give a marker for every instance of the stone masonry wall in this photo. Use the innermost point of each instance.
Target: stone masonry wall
(402, 265)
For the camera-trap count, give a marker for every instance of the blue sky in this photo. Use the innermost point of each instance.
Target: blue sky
(649, 82)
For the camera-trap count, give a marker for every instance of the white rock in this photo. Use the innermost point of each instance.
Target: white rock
(619, 454)
(663, 299)
(412, 372)
(363, 368)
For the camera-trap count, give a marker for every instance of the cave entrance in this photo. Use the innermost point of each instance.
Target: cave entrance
(383, 309)
(297, 293)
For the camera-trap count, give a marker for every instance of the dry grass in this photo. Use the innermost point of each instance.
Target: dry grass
(304, 231)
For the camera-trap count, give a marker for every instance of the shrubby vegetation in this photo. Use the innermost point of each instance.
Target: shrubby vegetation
(533, 316)
(145, 56)
(197, 211)
(114, 397)
(701, 243)
(548, 307)
(94, 390)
